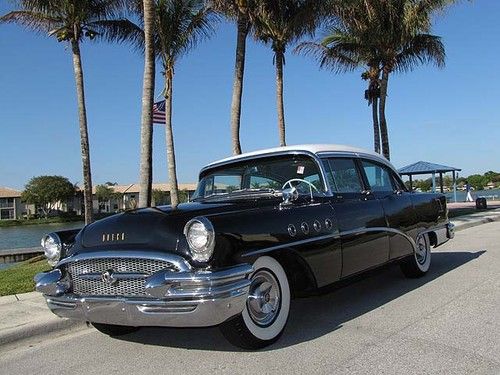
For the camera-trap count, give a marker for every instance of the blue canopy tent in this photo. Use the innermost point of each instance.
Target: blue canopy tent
(424, 167)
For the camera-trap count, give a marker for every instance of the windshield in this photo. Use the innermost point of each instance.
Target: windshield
(259, 176)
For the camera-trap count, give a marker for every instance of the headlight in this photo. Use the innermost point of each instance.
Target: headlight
(51, 244)
(200, 236)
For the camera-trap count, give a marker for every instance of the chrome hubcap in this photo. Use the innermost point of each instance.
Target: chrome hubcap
(264, 298)
(421, 253)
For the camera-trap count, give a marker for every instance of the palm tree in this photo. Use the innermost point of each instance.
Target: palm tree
(384, 37)
(406, 44)
(146, 170)
(341, 51)
(242, 12)
(179, 26)
(279, 23)
(72, 21)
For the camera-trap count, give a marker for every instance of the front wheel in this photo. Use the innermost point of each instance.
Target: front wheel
(419, 263)
(263, 320)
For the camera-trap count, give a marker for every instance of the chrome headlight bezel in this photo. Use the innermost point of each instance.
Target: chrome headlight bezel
(200, 253)
(52, 248)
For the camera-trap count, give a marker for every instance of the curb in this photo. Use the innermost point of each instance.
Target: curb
(475, 223)
(30, 331)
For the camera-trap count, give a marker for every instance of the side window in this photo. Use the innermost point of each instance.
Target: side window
(378, 177)
(398, 183)
(343, 176)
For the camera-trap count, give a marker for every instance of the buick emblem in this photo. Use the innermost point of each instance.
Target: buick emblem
(108, 278)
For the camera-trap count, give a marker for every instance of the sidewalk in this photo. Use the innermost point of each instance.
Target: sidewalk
(468, 221)
(27, 315)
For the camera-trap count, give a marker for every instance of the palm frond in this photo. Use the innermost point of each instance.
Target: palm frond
(421, 49)
(282, 22)
(180, 26)
(72, 20)
(33, 20)
(122, 30)
(337, 59)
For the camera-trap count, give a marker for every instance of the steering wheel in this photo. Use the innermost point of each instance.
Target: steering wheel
(311, 185)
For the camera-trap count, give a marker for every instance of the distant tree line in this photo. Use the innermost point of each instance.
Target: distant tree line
(477, 181)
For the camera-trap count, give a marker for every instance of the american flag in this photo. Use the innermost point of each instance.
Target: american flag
(159, 112)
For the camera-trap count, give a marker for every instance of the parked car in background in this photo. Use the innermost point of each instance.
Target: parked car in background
(263, 227)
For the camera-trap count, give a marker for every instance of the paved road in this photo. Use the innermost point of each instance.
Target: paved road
(447, 322)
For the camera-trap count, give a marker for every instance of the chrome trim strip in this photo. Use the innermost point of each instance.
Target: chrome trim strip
(314, 156)
(356, 231)
(204, 284)
(116, 275)
(178, 261)
(290, 244)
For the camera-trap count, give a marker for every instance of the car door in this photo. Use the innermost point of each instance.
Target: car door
(360, 217)
(400, 215)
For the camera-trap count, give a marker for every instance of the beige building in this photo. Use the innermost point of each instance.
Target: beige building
(11, 206)
(128, 196)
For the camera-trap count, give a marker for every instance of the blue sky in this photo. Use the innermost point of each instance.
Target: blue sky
(447, 116)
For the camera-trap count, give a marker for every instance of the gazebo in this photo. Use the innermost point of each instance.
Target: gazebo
(423, 167)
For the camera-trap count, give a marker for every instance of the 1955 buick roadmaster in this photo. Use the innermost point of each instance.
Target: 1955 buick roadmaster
(262, 228)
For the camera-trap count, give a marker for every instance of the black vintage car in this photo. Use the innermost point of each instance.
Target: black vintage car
(262, 228)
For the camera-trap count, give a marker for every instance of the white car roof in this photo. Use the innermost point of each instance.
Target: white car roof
(311, 148)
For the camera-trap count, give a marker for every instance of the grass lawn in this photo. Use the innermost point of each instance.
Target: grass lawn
(19, 278)
(50, 220)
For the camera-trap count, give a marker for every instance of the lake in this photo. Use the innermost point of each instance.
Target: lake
(30, 235)
(489, 194)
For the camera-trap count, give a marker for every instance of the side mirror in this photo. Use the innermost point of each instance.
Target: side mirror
(290, 195)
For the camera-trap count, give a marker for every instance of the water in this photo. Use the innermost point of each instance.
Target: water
(489, 194)
(29, 235)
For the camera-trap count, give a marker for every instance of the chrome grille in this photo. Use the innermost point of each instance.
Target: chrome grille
(130, 287)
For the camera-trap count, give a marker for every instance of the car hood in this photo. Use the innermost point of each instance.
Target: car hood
(148, 229)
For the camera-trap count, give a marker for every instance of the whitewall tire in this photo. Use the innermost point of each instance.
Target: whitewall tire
(264, 318)
(419, 263)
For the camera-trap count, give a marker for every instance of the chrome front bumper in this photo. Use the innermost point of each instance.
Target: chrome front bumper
(177, 299)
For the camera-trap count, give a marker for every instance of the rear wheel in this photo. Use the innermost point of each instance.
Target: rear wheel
(114, 330)
(419, 263)
(266, 312)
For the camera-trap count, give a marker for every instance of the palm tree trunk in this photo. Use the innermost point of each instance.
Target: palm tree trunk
(172, 170)
(384, 134)
(239, 71)
(84, 134)
(376, 127)
(279, 97)
(146, 169)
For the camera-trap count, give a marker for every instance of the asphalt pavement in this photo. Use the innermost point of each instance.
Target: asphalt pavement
(447, 322)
